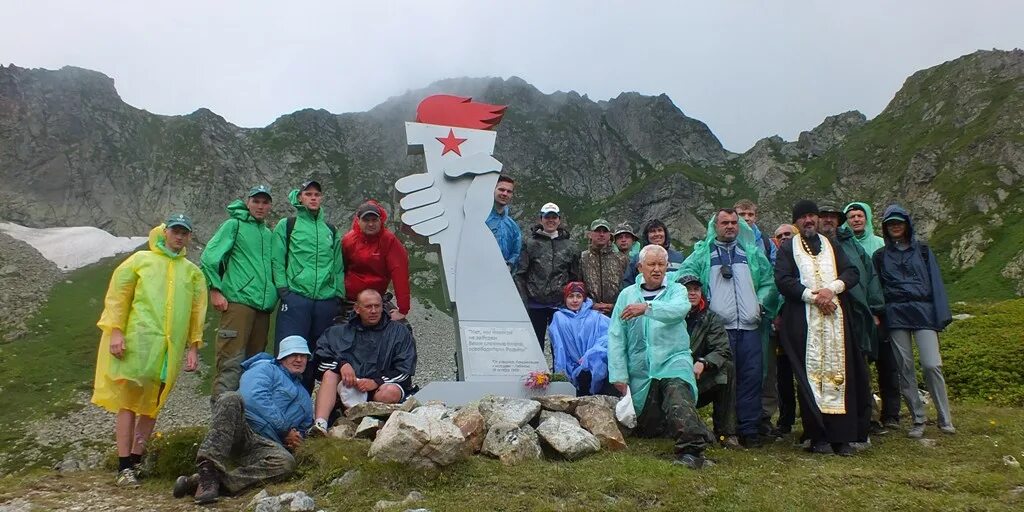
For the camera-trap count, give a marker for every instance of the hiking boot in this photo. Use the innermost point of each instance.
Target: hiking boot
(891, 424)
(729, 442)
(186, 485)
(820, 448)
(751, 441)
(947, 429)
(861, 446)
(208, 488)
(843, 449)
(916, 432)
(877, 429)
(689, 460)
(126, 478)
(780, 432)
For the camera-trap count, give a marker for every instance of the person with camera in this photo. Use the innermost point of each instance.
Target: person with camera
(739, 285)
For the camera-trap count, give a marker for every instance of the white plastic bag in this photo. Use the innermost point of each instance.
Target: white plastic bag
(351, 396)
(624, 411)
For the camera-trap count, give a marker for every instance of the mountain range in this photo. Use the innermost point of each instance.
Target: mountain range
(949, 146)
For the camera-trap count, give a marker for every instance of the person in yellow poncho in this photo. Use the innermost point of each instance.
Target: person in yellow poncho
(155, 306)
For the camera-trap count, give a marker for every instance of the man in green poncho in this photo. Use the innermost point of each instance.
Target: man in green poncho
(649, 355)
(859, 228)
(237, 266)
(738, 283)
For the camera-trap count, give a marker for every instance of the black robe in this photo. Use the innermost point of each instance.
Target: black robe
(833, 428)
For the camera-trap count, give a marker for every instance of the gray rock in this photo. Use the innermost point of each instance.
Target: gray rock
(560, 416)
(343, 428)
(368, 427)
(379, 410)
(347, 479)
(500, 409)
(418, 441)
(560, 403)
(411, 498)
(564, 435)
(302, 502)
(512, 444)
(436, 411)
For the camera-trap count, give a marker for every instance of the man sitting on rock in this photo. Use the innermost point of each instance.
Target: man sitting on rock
(263, 422)
(369, 358)
(649, 355)
(712, 362)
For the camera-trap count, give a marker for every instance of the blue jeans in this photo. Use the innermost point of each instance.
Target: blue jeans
(747, 354)
(309, 318)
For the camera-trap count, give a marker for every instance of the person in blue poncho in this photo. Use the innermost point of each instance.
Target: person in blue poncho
(649, 356)
(579, 341)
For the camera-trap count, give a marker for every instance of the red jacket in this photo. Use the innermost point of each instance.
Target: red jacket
(375, 261)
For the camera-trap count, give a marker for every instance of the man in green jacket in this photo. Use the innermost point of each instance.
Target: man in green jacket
(308, 272)
(868, 304)
(858, 218)
(236, 263)
(712, 363)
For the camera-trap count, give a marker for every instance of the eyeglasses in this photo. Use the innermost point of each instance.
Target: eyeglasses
(784, 234)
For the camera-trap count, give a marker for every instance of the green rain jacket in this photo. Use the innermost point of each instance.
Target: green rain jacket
(237, 260)
(699, 264)
(867, 298)
(653, 346)
(868, 239)
(315, 268)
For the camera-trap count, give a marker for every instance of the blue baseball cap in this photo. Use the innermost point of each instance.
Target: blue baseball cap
(293, 345)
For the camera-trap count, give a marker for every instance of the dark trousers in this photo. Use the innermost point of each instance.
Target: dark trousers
(669, 412)
(769, 389)
(747, 356)
(888, 382)
(787, 393)
(541, 319)
(722, 398)
(583, 381)
(308, 318)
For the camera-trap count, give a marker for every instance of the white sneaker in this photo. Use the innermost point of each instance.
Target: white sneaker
(126, 478)
(319, 429)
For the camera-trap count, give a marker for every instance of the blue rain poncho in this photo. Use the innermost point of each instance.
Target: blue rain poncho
(579, 341)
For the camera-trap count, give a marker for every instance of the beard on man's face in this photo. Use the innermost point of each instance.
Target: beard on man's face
(809, 231)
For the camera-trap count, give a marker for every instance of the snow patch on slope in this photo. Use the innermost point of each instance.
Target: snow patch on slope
(74, 247)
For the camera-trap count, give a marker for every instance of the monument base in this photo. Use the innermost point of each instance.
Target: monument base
(457, 394)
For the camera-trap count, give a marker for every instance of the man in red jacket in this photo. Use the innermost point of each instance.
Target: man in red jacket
(374, 258)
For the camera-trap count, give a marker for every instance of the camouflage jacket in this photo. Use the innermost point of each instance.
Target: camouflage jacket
(602, 273)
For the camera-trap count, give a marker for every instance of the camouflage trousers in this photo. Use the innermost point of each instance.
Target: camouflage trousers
(670, 412)
(230, 439)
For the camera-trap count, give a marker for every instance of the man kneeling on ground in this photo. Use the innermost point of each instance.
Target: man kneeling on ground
(369, 358)
(712, 362)
(263, 423)
(649, 355)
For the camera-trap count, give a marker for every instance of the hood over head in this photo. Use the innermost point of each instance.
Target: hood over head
(895, 211)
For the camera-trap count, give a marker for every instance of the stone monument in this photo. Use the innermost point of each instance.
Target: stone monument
(449, 204)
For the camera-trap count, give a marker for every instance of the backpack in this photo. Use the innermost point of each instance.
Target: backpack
(289, 226)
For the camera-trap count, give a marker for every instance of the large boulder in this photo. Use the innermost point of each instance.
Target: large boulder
(379, 409)
(598, 418)
(563, 434)
(559, 403)
(419, 441)
(501, 409)
(436, 411)
(512, 443)
(473, 427)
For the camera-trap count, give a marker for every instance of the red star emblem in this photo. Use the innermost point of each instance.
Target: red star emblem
(451, 143)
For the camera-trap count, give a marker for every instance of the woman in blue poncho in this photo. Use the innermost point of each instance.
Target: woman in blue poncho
(579, 341)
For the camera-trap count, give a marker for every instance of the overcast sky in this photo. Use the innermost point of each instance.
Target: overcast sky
(749, 69)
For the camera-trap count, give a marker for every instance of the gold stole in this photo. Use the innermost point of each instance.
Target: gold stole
(825, 359)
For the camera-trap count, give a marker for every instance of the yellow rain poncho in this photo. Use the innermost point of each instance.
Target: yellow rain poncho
(158, 300)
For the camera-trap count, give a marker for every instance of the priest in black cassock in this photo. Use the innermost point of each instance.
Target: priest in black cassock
(813, 275)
